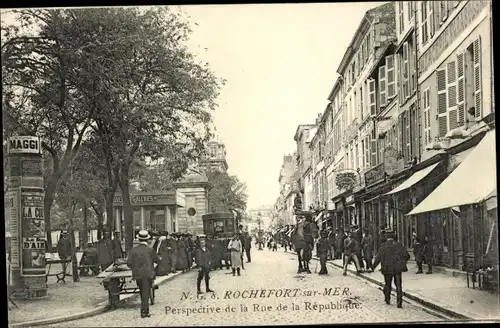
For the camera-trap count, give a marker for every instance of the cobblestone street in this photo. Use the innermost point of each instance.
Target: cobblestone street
(305, 297)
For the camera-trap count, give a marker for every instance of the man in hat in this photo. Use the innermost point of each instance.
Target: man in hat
(140, 260)
(322, 248)
(190, 248)
(393, 257)
(203, 261)
(117, 245)
(105, 253)
(367, 247)
(64, 248)
(174, 250)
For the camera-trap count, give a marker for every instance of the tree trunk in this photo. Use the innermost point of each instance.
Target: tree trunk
(48, 201)
(127, 210)
(100, 220)
(85, 237)
(109, 209)
(74, 260)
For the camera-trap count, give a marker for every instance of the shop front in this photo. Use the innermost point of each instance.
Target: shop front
(459, 212)
(151, 210)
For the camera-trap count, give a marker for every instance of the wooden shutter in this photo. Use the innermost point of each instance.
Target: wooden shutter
(400, 77)
(430, 17)
(382, 85)
(452, 94)
(424, 23)
(425, 104)
(461, 90)
(373, 148)
(391, 76)
(408, 135)
(406, 72)
(373, 98)
(442, 102)
(478, 100)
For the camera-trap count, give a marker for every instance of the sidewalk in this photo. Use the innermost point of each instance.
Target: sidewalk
(66, 302)
(442, 292)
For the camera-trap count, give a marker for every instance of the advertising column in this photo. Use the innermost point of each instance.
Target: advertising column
(25, 198)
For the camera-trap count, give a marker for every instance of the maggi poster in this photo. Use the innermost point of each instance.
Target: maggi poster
(32, 231)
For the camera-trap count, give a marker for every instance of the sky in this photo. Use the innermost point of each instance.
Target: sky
(280, 63)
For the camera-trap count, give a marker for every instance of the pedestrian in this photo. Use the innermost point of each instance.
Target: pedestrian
(242, 241)
(367, 247)
(64, 249)
(339, 242)
(190, 249)
(322, 248)
(358, 236)
(350, 246)
(182, 255)
(236, 249)
(393, 258)
(331, 243)
(117, 245)
(141, 260)
(203, 260)
(248, 248)
(163, 250)
(428, 253)
(105, 251)
(174, 251)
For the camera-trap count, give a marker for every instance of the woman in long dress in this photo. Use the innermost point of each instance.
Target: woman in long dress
(236, 250)
(182, 261)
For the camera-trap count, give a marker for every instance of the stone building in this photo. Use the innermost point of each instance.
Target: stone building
(303, 136)
(216, 158)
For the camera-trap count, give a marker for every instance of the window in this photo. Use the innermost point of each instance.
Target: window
(391, 77)
(357, 155)
(361, 104)
(410, 10)
(443, 10)
(406, 72)
(373, 148)
(373, 98)
(353, 73)
(363, 157)
(461, 89)
(367, 152)
(354, 105)
(424, 27)
(430, 18)
(427, 116)
(401, 17)
(382, 86)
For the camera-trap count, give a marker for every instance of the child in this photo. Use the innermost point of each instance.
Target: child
(322, 250)
(274, 246)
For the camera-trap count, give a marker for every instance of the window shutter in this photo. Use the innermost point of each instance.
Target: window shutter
(461, 89)
(406, 92)
(408, 135)
(430, 17)
(477, 78)
(423, 25)
(373, 148)
(442, 102)
(382, 80)
(391, 76)
(452, 95)
(400, 78)
(373, 98)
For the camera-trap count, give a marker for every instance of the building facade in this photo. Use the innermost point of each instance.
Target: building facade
(303, 137)
(411, 111)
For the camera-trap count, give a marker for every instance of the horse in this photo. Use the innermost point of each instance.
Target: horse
(303, 235)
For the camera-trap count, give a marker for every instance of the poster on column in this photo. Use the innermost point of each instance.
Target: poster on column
(32, 231)
(12, 218)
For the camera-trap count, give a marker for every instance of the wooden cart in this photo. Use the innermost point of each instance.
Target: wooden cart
(120, 283)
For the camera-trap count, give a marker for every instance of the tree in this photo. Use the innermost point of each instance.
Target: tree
(226, 192)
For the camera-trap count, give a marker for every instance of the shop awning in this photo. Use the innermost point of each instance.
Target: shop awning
(473, 181)
(416, 177)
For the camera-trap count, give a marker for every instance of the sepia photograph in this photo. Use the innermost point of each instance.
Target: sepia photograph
(250, 164)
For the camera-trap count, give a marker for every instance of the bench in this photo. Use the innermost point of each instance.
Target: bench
(61, 275)
(89, 269)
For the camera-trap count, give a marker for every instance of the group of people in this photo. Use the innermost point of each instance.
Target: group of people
(166, 250)
(358, 246)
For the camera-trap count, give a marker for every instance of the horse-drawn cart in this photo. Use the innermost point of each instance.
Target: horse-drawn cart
(117, 280)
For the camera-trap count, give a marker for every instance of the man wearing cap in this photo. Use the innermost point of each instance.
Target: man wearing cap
(140, 260)
(203, 261)
(105, 251)
(393, 257)
(117, 245)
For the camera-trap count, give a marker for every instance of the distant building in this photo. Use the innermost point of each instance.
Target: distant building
(216, 158)
(265, 213)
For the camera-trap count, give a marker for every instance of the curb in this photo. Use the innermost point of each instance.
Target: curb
(410, 295)
(101, 308)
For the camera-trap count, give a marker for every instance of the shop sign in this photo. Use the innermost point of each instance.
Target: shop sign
(390, 160)
(143, 199)
(32, 231)
(24, 145)
(374, 175)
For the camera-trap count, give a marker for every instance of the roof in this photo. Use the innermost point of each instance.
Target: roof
(312, 134)
(300, 128)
